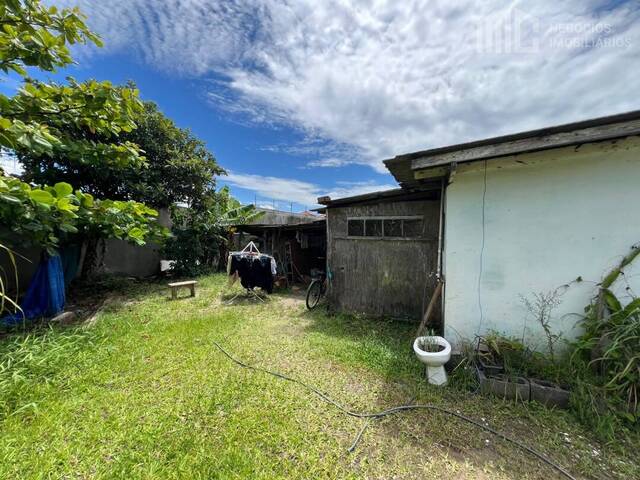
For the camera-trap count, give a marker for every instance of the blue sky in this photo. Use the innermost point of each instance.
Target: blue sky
(242, 147)
(306, 98)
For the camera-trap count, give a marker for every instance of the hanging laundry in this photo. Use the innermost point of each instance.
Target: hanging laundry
(253, 268)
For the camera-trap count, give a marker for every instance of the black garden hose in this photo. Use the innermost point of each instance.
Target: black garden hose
(398, 409)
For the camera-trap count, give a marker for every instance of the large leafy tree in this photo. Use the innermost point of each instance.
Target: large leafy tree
(178, 166)
(51, 215)
(92, 135)
(40, 120)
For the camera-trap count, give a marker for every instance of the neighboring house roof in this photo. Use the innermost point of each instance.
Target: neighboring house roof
(403, 167)
(318, 224)
(280, 217)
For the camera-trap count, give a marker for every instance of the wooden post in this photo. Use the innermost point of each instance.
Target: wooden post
(432, 304)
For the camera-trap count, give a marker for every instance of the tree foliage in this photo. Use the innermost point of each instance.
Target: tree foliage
(41, 117)
(50, 216)
(92, 135)
(36, 36)
(178, 167)
(41, 120)
(200, 233)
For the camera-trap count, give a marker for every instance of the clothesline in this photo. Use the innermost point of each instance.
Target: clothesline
(250, 249)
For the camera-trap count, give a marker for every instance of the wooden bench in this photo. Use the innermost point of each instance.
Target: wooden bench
(191, 284)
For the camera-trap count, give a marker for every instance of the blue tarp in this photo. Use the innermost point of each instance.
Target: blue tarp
(45, 295)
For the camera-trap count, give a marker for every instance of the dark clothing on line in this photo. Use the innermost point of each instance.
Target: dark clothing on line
(254, 271)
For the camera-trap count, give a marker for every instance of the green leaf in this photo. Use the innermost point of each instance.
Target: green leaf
(65, 205)
(42, 196)
(11, 199)
(63, 189)
(67, 227)
(612, 302)
(136, 233)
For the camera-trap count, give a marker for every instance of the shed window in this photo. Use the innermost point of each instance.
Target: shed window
(393, 227)
(411, 228)
(385, 227)
(355, 228)
(373, 228)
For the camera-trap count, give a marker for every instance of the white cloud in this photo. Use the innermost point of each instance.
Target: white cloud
(328, 162)
(386, 77)
(297, 191)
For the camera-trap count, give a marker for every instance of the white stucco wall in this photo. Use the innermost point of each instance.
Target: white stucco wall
(549, 217)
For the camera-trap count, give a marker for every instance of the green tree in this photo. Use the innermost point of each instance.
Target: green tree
(84, 134)
(40, 121)
(201, 233)
(52, 216)
(178, 166)
(39, 118)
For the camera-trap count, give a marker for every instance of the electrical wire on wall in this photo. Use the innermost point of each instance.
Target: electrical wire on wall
(482, 240)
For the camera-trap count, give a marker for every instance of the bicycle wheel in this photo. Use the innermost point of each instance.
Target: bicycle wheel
(314, 293)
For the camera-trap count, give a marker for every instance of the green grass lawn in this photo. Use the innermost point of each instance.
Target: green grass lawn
(140, 392)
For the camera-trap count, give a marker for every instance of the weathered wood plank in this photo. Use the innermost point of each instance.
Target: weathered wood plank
(182, 284)
(532, 144)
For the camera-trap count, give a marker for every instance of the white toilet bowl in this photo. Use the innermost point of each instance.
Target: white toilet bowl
(433, 360)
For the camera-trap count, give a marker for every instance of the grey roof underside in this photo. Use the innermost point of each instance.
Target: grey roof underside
(428, 190)
(403, 167)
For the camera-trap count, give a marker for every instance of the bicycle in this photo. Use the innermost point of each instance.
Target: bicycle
(316, 290)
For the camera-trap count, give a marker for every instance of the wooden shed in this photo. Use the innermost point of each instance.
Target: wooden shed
(383, 251)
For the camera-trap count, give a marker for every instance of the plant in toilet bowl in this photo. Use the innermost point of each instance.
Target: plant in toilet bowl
(430, 344)
(434, 351)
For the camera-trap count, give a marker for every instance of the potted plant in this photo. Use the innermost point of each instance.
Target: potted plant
(429, 343)
(488, 355)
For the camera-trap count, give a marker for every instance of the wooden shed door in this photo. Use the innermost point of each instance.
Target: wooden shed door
(378, 275)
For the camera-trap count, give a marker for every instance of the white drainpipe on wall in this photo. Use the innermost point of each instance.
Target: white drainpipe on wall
(439, 275)
(441, 265)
